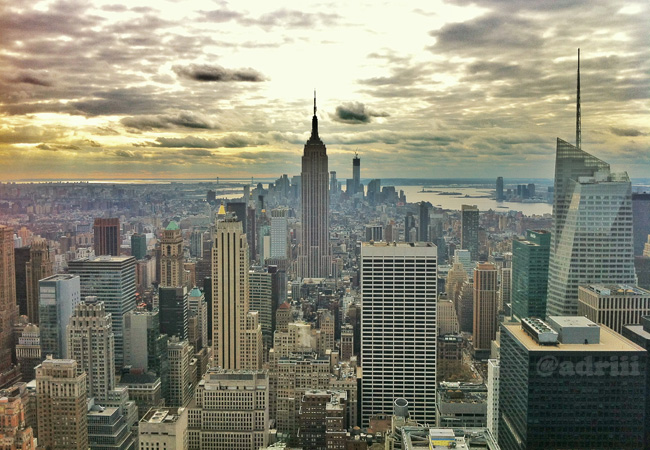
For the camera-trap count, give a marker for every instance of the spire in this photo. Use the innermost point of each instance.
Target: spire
(314, 122)
(578, 125)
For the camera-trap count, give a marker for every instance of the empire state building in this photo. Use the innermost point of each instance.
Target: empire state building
(314, 260)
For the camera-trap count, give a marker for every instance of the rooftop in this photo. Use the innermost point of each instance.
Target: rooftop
(617, 290)
(162, 415)
(424, 438)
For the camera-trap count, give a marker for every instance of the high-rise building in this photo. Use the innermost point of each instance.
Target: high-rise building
(569, 383)
(465, 258)
(356, 172)
(107, 236)
(640, 335)
(314, 260)
(641, 220)
(424, 222)
(374, 232)
(530, 274)
(409, 225)
(8, 306)
(171, 260)
(21, 258)
(39, 266)
(485, 307)
(231, 411)
(28, 352)
(61, 394)
(164, 428)
(91, 343)
(112, 280)
(109, 427)
(591, 241)
(199, 310)
(279, 233)
(469, 230)
(399, 282)
(196, 244)
(260, 283)
(139, 246)
(180, 380)
(613, 305)
(59, 296)
(234, 334)
(173, 307)
(14, 433)
(500, 196)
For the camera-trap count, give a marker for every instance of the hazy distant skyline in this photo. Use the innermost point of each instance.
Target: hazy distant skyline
(436, 89)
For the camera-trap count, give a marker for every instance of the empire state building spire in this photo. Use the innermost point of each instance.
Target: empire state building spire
(314, 124)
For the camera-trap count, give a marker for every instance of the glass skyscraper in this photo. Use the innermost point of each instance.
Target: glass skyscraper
(530, 274)
(591, 240)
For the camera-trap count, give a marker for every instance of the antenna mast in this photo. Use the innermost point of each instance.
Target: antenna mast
(578, 118)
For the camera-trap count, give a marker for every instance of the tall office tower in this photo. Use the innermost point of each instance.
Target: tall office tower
(107, 236)
(139, 246)
(465, 306)
(164, 428)
(199, 309)
(174, 311)
(61, 394)
(180, 381)
(591, 240)
(92, 344)
(613, 305)
(347, 342)
(112, 280)
(493, 369)
(505, 288)
(424, 222)
(546, 371)
(398, 282)
(447, 318)
(14, 433)
(28, 352)
(21, 258)
(326, 332)
(456, 276)
(144, 347)
(196, 244)
(409, 224)
(231, 411)
(260, 283)
(640, 335)
(313, 420)
(39, 266)
(8, 306)
(334, 185)
(171, 262)
(485, 307)
(374, 191)
(641, 221)
(59, 296)
(109, 427)
(530, 274)
(500, 196)
(230, 336)
(356, 172)
(314, 260)
(279, 233)
(469, 230)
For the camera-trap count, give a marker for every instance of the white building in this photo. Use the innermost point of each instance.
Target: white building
(493, 397)
(613, 305)
(279, 233)
(398, 328)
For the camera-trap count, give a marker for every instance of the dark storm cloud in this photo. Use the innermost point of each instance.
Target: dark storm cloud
(183, 119)
(204, 72)
(230, 141)
(627, 132)
(32, 77)
(355, 113)
(493, 31)
(119, 101)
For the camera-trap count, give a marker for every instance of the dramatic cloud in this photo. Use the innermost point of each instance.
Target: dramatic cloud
(183, 119)
(629, 132)
(204, 72)
(355, 113)
(34, 78)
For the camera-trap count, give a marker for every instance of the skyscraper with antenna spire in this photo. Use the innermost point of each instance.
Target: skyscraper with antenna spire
(314, 259)
(591, 240)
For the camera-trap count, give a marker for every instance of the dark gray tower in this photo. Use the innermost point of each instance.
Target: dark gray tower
(356, 174)
(314, 260)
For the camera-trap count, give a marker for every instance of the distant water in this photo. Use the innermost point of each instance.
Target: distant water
(454, 202)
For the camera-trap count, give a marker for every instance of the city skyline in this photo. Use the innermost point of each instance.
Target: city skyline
(162, 91)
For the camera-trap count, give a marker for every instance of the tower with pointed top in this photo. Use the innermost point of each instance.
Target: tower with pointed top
(314, 259)
(591, 239)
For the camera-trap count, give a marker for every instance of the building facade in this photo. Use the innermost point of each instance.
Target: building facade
(398, 328)
(530, 274)
(469, 230)
(613, 305)
(171, 259)
(59, 295)
(39, 266)
(485, 307)
(107, 236)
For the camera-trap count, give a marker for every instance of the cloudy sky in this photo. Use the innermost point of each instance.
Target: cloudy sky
(199, 89)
